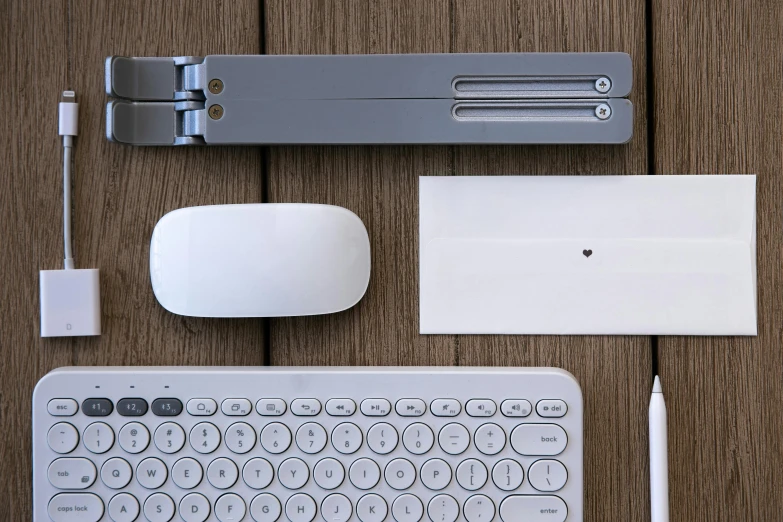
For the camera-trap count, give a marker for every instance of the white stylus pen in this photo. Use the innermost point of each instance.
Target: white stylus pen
(659, 467)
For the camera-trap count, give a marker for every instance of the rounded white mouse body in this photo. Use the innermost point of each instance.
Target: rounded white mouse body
(259, 260)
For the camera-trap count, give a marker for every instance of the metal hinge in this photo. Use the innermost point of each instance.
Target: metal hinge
(160, 101)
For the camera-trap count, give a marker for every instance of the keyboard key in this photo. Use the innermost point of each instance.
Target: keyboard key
(443, 508)
(222, 473)
(305, 407)
(551, 408)
(123, 507)
(435, 474)
(340, 407)
(410, 407)
(533, 508)
(471, 474)
(194, 507)
(72, 473)
(454, 438)
(275, 438)
(240, 437)
(480, 408)
(201, 407)
(169, 437)
(336, 508)
(445, 407)
(62, 438)
(151, 473)
(547, 475)
(371, 508)
(478, 508)
(270, 407)
(364, 474)
(375, 407)
(187, 473)
(508, 475)
(346, 438)
(204, 437)
(400, 474)
(293, 473)
(97, 407)
(134, 437)
(418, 438)
(75, 507)
(230, 507)
(236, 407)
(116, 473)
(62, 407)
(159, 508)
(516, 408)
(132, 407)
(311, 437)
(329, 473)
(166, 407)
(538, 439)
(257, 474)
(407, 508)
(489, 439)
(300, 508)
(98, 437)
(382, 438)
(265, 508)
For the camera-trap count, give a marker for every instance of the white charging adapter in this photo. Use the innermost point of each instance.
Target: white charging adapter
(70, 298)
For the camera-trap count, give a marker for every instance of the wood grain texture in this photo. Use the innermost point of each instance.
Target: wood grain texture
(614, 372)
(119, 194)
(379, 184)
(718, 110)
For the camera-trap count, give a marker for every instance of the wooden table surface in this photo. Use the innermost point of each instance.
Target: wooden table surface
(708, 78)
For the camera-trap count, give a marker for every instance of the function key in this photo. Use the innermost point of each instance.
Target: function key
(340, 407)
(480, 408)
(166, 407)
(376, 407)
(236, 407)
(132, 407)
(410, 407)
(62, 407)
(202, 407)
(97, 407)
(445, 407)
(516, 408)
(305, 407)
(271, 407)
(551, 408)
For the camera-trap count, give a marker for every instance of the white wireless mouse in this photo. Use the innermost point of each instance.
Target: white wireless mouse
(259, 260)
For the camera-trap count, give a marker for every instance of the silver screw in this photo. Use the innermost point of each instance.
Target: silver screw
(603, 111)
(215, 112)
(603, 85)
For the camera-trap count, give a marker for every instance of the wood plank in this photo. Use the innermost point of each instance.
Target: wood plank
(119, 194)
(379, 184)
(34, 60)
(717, 110)
(614, 372)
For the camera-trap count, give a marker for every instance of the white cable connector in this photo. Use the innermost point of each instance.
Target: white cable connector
(70, 298)
(69, 127)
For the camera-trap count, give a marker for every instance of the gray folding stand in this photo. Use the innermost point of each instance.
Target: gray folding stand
(370, 99)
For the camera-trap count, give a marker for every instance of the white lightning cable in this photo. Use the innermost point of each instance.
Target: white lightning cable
(69, 127)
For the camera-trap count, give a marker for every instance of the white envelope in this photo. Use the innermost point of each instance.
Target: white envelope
(650, 255)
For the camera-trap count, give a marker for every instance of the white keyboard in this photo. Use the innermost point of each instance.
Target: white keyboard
(306, 444)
